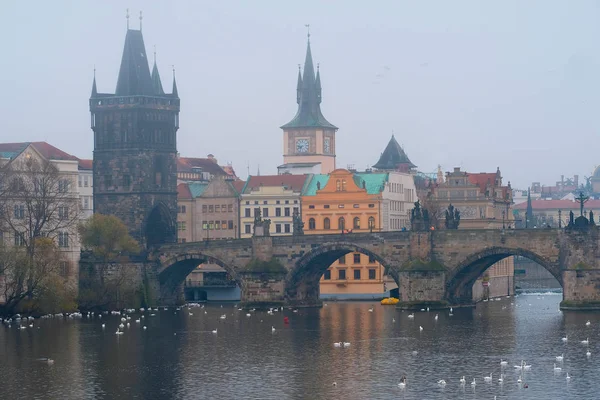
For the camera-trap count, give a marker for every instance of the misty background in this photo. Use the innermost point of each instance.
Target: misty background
(464, 83)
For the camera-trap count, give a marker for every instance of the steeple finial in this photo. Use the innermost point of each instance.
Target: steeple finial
(140, 21)
(127, 17)
(307, 31)
(94, 91)
(154, 54)
(174, 92)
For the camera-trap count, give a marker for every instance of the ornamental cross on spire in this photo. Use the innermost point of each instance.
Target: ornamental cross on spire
(581, 200)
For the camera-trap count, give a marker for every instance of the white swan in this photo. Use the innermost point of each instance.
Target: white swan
(272, 329)
(473, 383)
(214, 331)
(557, 369)
(103, 326)
(411, 315)
(487, 378)
(346, 344)
(526, 367)
(436, 317)
(568, 377)
(560, 358)
(371, 309)
(441, 382)
(463, 380)
(501, 379)
(248, 315)
(420, 328)
(565, 339)
(503, 363)
(145, 327)
(190, 314)
(588, 353)
(586, 341)
(121, 326)
(223, 316)
(520, 380)
(337, 344)
(588, 323)
(402, 385)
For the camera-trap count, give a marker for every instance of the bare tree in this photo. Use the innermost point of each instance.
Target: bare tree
(36, 200)
(435, 209)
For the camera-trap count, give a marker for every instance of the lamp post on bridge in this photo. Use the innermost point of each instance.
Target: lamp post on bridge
(559, 219)
(503, 224)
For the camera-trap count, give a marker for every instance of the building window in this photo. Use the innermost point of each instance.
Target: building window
(247, 202)
(265, 212)
(371, 223)
(356, 206)
(327, 275)
(230, 224)
(287, 211)
(371, 205)
(372, 273)
(311, 207)
(371, 259)
(86, 202)
(181, 209)
(211, 208)
(356, 258)
(341, 274)
(286, 228)
(223, 224)
(64, 269)
(287, 202)
(256, 212)
(356, 223)
(204, 208)
(85, 181)
(311, 224)
(277, 201)
(278, 212)
(63, 186)
(19, 211)
(80, 178)
(230, 208)
(63, 239)
(247, 228)
(326, 206)
(181, 226)
(343, 185)
(357, 274)
(326, 223)
(338, 185)
(63, 212)
(342, 260)
(341, 223)
(107, 181)
(296, 210)
(217, 225)
(126, 181)
(265, 202)
(277, 228)
(211, 225)
(218, 208)
(19, 239)
(340, 206)
(247, 213)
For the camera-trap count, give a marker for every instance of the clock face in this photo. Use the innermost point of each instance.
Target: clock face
(302, 145)
(327, 145)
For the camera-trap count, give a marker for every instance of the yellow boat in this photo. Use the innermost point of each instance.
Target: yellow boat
(389, 301)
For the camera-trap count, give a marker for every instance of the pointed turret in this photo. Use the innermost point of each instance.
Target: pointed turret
(529, 211)
(174, 92)
(309, 98)
(156, 83)
(394, 158)
(299, 86)
(134, 74)
(94, 91)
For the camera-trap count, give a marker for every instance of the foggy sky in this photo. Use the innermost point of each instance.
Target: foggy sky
(463, 83)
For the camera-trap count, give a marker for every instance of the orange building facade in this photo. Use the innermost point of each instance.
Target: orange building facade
(347, 202)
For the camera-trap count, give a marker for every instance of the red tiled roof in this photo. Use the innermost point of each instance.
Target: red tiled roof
(293, 182)
(482, 179)
(558, 204)
(229, 170)
(45, 149)
(185, 164)
(238, 185)
(85, 164)
(183, 192)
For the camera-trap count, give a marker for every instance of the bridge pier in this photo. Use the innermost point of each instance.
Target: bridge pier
(581, 288)
(422, 285)
(262, 289)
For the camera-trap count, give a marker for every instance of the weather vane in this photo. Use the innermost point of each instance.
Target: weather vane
(308, 29)
(140, 21)
(127, 17)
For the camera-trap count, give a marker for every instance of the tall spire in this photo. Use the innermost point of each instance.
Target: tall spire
(134, 74)
(529, 206)
(174, 92)
(308, 97)
(156, 83)
(394, 158)
(94, 91)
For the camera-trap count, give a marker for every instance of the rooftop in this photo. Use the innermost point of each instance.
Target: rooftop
(11, 150)
(291, 182)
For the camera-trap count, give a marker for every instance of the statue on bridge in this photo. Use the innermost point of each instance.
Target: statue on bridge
(581, 222)
(419, 217)
(261, 226)
(452, 217)
(298, 224)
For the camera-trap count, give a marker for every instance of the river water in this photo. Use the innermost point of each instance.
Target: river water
(178, 356)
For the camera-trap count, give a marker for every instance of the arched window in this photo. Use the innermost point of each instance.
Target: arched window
(341, 223)
(356, 223)
(371, 223)
(343, 185)
(338, 186)
(326, 224)
(311, 224)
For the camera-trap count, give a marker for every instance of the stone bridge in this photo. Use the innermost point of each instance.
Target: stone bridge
(437, 268)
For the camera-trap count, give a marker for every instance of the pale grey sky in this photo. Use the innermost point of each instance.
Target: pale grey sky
(513, 84)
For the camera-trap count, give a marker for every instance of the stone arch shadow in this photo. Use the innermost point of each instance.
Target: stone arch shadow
(460, 281)
(302, 281)
(176, 269)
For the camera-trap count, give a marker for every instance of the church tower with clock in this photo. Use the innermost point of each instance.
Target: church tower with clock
(308, 139)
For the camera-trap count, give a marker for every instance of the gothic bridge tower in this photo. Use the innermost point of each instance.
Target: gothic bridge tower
(135, 148)
(308, 139)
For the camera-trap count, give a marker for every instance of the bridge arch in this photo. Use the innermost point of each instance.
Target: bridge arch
(173, 271)
(460, 279)
(302, 281)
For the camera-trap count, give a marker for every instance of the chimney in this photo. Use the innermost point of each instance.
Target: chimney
(212, 158)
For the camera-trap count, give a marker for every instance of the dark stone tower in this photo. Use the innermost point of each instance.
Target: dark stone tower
(135, 148)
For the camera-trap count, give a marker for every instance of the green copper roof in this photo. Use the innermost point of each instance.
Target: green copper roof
(197, 188)
(311, 187)
(374, 182)
(309, 99)
(393, 156)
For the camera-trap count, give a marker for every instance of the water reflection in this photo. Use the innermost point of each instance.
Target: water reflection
(179, 357)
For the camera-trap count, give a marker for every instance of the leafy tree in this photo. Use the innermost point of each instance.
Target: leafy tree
(105, 282)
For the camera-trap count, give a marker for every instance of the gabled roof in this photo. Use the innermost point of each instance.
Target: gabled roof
(238, 186)
(309, 99)
(482, 180)
(292, 182)
(134, 74)
(374, 182)
(197, 188)
(317, 181)
(393, 156)
(185, 164)
(183, 192)
(11, 150)
(86, 164)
